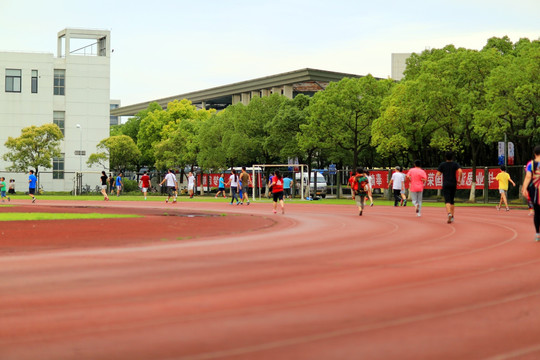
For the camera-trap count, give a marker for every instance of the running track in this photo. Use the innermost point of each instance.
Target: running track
(323, 283)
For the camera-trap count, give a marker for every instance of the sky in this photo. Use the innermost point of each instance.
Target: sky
(167, 47)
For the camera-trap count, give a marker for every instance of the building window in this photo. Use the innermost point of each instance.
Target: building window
(59, 81)
(59, 118)
(34, 81)
(58, 167)
(13, 80)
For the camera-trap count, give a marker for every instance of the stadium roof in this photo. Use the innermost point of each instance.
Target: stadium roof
(222, 95)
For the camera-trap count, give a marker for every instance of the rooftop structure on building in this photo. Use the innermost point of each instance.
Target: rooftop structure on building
(304, 81)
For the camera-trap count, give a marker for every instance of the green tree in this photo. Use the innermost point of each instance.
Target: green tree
(513, 97)
(341, 116)
(36, 147)
(119, 152)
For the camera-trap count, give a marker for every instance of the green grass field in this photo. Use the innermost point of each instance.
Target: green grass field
(210, 198)
(60, 216)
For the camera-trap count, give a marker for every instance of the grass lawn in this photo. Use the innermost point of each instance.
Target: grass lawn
(210, 198)
(60, 216)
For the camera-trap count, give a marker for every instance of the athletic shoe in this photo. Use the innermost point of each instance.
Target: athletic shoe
(418, 214)
(537, 237)
(166, 201)
(215, 196)
(450, 219)
(371, 205)
(360, 213)
(507, 209)
(417, 209)
(498, 207)
(248, 203)
(174, 201)
(405, 202)
(274, 211)
(33, 200)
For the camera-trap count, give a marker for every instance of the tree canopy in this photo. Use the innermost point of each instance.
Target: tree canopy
(36, 147)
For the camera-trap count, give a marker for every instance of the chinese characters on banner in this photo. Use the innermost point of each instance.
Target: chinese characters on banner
(435, 182)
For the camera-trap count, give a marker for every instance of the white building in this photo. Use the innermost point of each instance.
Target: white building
(399, 64)
(71, 90)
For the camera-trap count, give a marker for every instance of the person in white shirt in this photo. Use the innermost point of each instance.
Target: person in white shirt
(397, 183)
(172, 185)
(191, 184)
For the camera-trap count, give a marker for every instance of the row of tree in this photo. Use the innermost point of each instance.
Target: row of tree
(450, 99)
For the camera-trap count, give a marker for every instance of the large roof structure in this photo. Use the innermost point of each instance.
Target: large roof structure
(307, 81)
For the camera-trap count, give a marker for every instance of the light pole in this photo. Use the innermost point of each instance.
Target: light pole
(79, 181)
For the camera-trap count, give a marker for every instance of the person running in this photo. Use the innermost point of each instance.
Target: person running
(233, 182)
(417, 180)
(287, 182)
(111, 184)
(191, 184)
(277, 191)
(362, 188)
(171, 184)
(532, 178)
(397, 182)
(451, 173)
(119, 184)
(353, 185)
(145, 183)
(503, 178)
(221, 186)
(371, 182)
(3, 188)
(245, 179)
(104, 185)
(32, 182)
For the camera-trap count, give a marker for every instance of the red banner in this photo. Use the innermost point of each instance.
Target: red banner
(380, 178)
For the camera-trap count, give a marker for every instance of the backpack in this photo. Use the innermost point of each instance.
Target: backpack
(362, 184)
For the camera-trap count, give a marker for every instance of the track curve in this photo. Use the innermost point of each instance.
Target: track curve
(319, 283)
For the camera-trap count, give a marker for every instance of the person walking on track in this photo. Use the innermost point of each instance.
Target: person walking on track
(503, 178)
(233, 182)
(277, 191)
(451, 173)
(171, 184)
(417, 180)
(104, 185)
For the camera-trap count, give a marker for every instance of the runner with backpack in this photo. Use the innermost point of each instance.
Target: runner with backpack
(362, 189)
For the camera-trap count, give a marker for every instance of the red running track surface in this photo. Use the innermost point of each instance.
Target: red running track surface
(319, 282)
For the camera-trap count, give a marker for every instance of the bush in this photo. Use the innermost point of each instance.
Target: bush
(130, 185)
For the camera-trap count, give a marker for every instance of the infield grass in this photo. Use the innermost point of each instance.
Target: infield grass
(60, 216)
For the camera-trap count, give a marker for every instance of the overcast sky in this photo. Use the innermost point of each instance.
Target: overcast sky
(164, 48)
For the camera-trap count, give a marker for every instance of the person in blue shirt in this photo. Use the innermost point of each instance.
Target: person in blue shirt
(221, 187)
(32, 181)
(287, 186)
(119, 184)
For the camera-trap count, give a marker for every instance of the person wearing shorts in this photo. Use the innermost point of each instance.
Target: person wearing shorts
(145, 183)
(277, 191)
(104, 180)
(171, 184)
(119, 184)
(451, 173)
(221, 186)
(32, 182)
(191, 184)
(361, 189)
(503, 178)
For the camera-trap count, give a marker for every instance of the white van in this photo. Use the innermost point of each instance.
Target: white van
(322, 186)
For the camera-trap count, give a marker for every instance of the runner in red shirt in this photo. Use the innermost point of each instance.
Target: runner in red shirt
(277, 191)
(145, 183)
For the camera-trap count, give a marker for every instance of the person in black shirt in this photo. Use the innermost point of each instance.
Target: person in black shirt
(451, 173)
